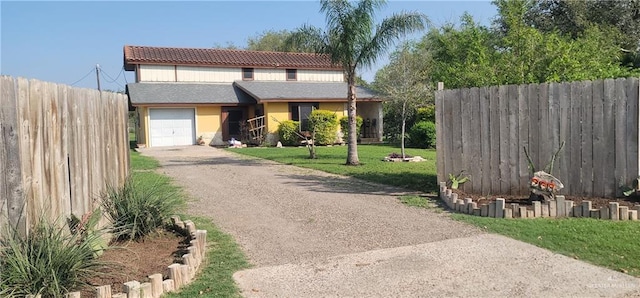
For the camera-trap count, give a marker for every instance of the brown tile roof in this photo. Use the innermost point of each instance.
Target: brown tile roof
(223, 58)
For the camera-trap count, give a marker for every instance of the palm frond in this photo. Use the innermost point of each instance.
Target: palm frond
(389, 31)
(308, 36)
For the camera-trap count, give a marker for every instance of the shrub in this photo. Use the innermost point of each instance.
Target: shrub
(135, 210)
(423, 134)
(344, 125)
(49, 261)
(325, 124)
(427, 113)
(287, 132)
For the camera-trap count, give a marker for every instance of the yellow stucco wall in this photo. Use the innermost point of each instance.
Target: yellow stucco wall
(278, 110)
(209, 124)
(143, 130)
(208, 120)
(337, 107)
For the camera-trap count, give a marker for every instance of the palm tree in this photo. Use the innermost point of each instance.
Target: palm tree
(352, 40)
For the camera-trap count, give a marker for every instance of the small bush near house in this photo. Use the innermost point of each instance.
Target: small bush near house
(325, 124)
(423, 135)
(287, 132)
(138, 209)
(49, 261)
(344, 125)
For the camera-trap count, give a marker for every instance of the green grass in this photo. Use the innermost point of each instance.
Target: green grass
(421, 202)
(224, 257)
(419, 176)
(611, 244)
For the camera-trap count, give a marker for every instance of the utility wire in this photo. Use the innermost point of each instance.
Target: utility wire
(104, 76)
(85, 76)
(112, 79)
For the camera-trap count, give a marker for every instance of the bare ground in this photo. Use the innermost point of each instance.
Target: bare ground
(314, 234)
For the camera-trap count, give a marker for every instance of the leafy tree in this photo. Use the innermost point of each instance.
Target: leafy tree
(530, 55)
(229, 45)
(514, 52)
(464, 56)
(404, 81)
(276, 41)
(573, 18)
(352, 40)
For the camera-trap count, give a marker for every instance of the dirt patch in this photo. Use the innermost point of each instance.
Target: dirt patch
(137, 260)
(523, 200)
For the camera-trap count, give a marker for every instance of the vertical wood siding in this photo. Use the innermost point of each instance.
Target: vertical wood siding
(157, 73)
(208, 74)
(171, 73)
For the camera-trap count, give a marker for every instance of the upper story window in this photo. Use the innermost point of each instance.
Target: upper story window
(247, 74)
(292, 75)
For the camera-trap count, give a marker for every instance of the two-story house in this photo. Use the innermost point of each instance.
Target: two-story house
(185, 94)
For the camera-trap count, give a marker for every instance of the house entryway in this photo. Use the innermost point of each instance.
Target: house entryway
(233, 122)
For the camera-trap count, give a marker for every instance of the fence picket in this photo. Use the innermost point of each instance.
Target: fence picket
(523, 137)
(485, 135)
(597, 120)
(52, 153)
(599, 146)
(514, 156)
(633, 91)
(586, 174)
(621, 134)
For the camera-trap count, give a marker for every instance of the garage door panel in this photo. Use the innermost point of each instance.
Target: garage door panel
(171, 127)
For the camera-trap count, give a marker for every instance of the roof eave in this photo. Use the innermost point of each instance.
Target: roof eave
(131, 64)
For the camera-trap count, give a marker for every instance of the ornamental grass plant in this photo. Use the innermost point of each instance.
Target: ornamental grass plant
(49, 261)
(139, 208)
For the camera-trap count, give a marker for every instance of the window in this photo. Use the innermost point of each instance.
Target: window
(292, 75)
(300, 112)
(247, 73)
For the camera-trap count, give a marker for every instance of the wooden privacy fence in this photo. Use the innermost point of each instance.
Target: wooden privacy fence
(59, 148)
(483, 131)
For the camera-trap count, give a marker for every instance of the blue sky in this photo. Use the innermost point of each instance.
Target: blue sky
(63, 41)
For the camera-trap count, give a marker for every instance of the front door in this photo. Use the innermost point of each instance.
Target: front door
(233, 121)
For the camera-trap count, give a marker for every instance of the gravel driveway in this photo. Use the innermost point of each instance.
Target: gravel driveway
(314, 234)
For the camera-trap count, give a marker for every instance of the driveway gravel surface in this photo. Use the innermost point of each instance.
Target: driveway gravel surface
(313, 234)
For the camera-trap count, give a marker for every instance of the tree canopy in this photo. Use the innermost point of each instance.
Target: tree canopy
(513, 51)
(276, 41)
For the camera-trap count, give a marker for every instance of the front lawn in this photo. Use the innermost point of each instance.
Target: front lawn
(419, 176)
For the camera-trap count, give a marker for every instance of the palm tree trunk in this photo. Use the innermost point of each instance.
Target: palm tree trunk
(352, 142)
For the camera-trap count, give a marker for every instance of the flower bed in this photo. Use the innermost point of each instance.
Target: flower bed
(179, 274)
(555, 208)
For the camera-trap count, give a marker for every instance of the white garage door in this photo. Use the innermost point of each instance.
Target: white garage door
(171, 127)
